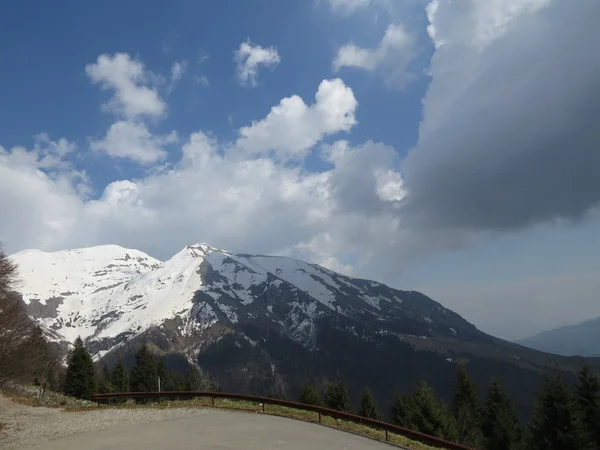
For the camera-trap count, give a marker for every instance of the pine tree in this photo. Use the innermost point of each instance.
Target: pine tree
(166, 382)
(402, 410)
(368, 406)
(143, 373)
(555, 425)
(337, 397)
(193, 380)
(466, 410)
(588, 403)
(428, 414)
(500, 424)
(120, 378)
(104, 382)
(80, 379)
(310, 395)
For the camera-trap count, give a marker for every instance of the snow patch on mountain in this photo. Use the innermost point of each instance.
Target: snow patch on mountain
(109, 294)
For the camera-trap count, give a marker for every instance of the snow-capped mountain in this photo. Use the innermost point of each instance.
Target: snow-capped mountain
(263, 324)
(109, 294)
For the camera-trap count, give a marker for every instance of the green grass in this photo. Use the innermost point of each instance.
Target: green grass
(291, 413)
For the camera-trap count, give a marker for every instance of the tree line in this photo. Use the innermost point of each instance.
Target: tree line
(82, 379)
(563, 418)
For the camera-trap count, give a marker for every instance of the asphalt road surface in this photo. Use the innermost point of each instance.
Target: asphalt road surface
(219, 430)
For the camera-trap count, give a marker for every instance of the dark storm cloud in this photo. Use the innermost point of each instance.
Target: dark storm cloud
(511, 132)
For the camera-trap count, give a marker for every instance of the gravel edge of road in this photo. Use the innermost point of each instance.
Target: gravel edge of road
(27, 426)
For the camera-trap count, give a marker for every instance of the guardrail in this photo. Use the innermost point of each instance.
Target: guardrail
(321, 411)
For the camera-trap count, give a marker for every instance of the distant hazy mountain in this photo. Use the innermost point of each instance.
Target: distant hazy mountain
(582, 339)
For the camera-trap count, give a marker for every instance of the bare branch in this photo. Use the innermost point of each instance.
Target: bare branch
(15, 324)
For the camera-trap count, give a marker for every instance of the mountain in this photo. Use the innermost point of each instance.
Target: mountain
(109, 294)
(264, 324)
(582, 339)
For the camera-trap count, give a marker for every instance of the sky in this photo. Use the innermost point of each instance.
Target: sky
(451, 147)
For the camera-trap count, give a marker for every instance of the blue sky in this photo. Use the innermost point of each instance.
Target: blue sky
(421, 143)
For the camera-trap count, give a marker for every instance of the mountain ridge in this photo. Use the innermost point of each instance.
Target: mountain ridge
(264, 324)
(97, 293)
(580, 339)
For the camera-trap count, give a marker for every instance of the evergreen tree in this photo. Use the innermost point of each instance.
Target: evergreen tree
(337, 396)
(428, 414)
(500, 424)
(193, 380)
(466, 410)
(80, 379)
(555, 424)
(402, 410)
(120, 378)
(310, 395)
(143, 373)
(104, 382)
(166, 382)
(588, 403)
(368, 406)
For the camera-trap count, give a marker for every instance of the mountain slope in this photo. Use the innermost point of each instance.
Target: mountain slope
(582, 339)
(108, 294)
(263, 324)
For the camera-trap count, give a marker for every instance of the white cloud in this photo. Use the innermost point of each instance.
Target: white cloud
(129, 80)
(347, 6)
(177, 70)
(390, 187)
(392, 58)
(216, 192)
(41, 193)
(131, 140)
(202, 80)
(475, 22)
(292, 127)
(249, 57)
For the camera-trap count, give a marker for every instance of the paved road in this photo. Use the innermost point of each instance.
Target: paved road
(218, 430)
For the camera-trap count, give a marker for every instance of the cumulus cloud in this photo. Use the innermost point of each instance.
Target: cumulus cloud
(41, 192)
(219, 194)
(510, 132)
(129, 79)
(391, 59)
(249, 58)
(292, 128)
(131, 140)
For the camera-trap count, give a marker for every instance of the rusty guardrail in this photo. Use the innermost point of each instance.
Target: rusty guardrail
(321, 411)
